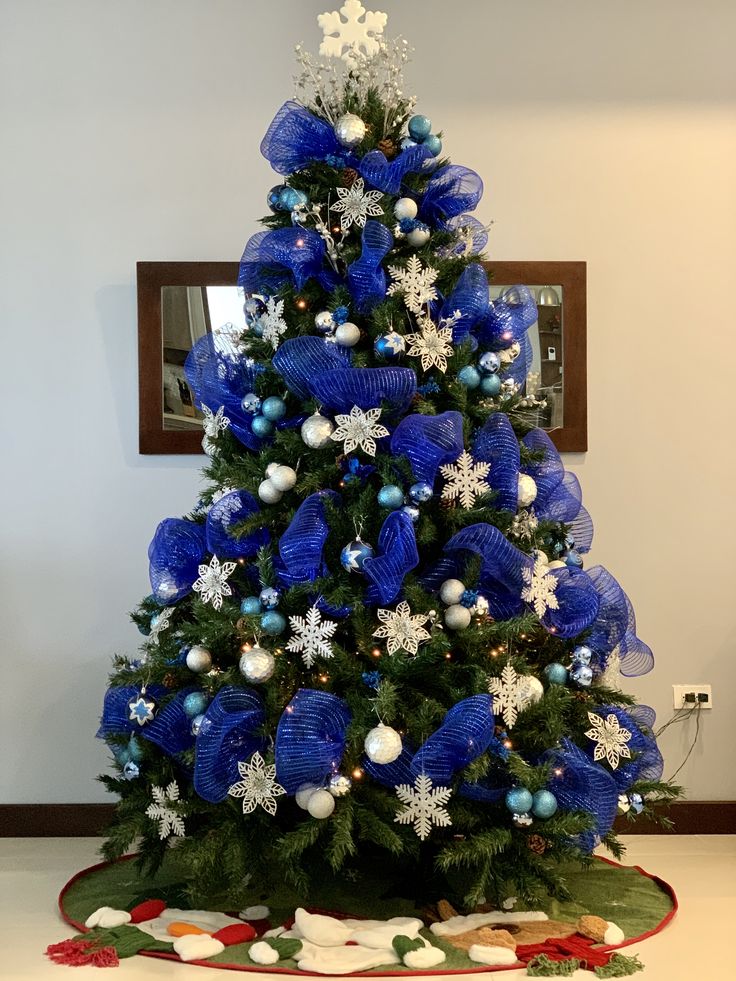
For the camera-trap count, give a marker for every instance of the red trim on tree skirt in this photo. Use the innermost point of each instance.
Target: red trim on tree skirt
(528, 951)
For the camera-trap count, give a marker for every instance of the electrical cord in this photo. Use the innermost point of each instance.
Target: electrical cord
(681, 715)
(696, 709)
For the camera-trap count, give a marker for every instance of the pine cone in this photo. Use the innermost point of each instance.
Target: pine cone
(537, 844)
(170, 680)
(349, 176)
(388, 148)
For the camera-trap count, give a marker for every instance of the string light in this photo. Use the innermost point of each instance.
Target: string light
(448, 656)
(244, 648)
(299, 243)
(508, 744)
(324, 678)
(376, 652)
(300, 303)
(357, 773)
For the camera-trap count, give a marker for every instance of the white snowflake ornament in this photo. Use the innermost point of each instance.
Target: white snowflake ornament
(610, 739)
(403, 631)
(359, 429)
(160, 622)
(212, 584)
(360, 30)
(541, 586)
(415, 284)
(356, 204)
(465, 480)
(311, 636)
(170, 822)
(272, 322)
(423, 806)
(510, 694)
(258, 786)
(432, 343)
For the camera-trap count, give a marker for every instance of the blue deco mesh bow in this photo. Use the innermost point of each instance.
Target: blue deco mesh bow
(230, 733)
(614, 628)
(388, 177)
(283, 255)
(428, 442)
(297, 138)
(451, 191)
(366, 276)
(396, 554)
(339, 389)
(301, 545)
(646, 761)
(310, 739)
(174, 555)
(171, 728)
(579, 784)
(470, 299)
(300, 359)
(508, 318)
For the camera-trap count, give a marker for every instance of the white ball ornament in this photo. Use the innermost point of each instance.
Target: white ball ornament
(257, 665)
(527, 492)
(349, 130)
(269, 492)
(383, 744)
(321, 804)
(199, 659)
(533, 689)
(451, 591)
(457, 617)
(347, 334)
(405, 208)
(557, 564)
(303, 794)
(283, 478)
(418, 237)
(316, 431)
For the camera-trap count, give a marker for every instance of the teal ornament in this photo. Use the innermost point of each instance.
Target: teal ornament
(145, 628)
(489, 363)
(412, 511)
(354, 555)
(544, 804)
(391, 496)
(250, 403)
(273, 623)
(519, 800)
(250, 606)
(121, 754)
(469, 376)
(433, 144)
(556, 674)
(421, 492)
(270, 597)
(131, 770)
(573, 560)
(135, 749)
(274, 196)
(273, 408)
(389, 345)
(419, 128)
(290, 198)
(490, 385)
(262, 427)
(195, 703)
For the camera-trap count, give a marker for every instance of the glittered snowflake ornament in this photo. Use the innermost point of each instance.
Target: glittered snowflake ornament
(414, 283)
(311, 636)
(432, 344)
(356, 204)
(424, 806)
(212, 584)
(402, 630)
(540, 587)
(356, 30)
(510, 694)
(610, 739)
(359, 429)
(465, 480)
(272, 323)
(258, 786)
(170, 822)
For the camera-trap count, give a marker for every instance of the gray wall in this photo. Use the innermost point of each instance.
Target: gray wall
(130, 131)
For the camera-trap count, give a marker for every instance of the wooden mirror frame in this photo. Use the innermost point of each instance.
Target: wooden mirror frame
(151, 276)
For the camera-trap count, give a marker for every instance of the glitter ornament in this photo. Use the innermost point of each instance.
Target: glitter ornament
(250, 606)
(421, 492)
(321, 804)
(273, 623)
(556, 674)
(324, 322)
(457, 617)
(391, 496)
(317, 431)
(262, 427)
(282, 477)
(195, 703)
(544, 804)
(405, 208)
(269, 492)
(347, 334)
(533, 689)
(383, 744)
(349, 130)
(433, 144)
(199, 659)
(490, 385)
(273, 408)
(527, 490)
(419, 128)
(519, 800)
(257, 665)
(469, 376)
(451, 591)
(354, 555)
(251, 403)
(303, 794)
(340, 785)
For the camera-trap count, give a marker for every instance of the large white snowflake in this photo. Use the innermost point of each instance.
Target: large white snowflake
(510, 694)
(312, 635)
(343, 38)
(540, 587)
(214, 423)
(159, 623)
(356, 204)
(432, 343)
(359, 429)
(610, 738)
(212, 584)
(465, 480)
(415, 283)
(170, 822)
(403, 630)
(272, 322)
(423, 805)
(258, 786)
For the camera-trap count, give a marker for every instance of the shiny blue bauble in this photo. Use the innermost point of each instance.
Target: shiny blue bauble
(250, 403)
(273, 623)
(582, 675)
(582, 654)
(273, 408)
(135, 749)
(195, 703)
(637, 803)
(270, 598)
(389, 345)
(489, 362)
(251, 605)
(131, 770)
(290, 198)
(391, 496)
(469, 376)
(519, 800)
(354, 555)
(433, 144)
(421, 493)
(490, 385)
(420, 127)
(273, 197)
(569, 542)
(262, 427)
(573, 560)
(556, 674)
(145, 628)
(253, 310)
(412, 511)
(544, 804)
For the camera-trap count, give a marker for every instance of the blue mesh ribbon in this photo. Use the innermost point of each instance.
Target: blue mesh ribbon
(171, 728)
(300, 359)
(392, 774)
(521, 365)
(614, 628)
(470, 299)
(496, 443)
(175, 553)
(366, 277)
(396, 554)
(558, 493)
(301, 545)
(451, 191)
(581, 529)
(581, 785)
(296, 138)
(310, 739)
(508, 318)
(466, 732)
(339, 389)
(230, 733)
(280, 256)
(228, 511)
(646, 761)
(387, 177)
(428, 442)
(577, 604)
(115, 711)
(472, 236)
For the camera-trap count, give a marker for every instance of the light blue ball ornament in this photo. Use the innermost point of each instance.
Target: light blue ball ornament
(421, 492)
(469, 376)
(489, 362)
(556, 674)
(519, 800)
(273, 408)
(490, 385)
(131, 770)
(544, 804)
(391, 496)
(251, 606)
(420, 127)
(582, 675)
(250, 403)
(412, 511)
(262, 427)
(273, 623)
(389, 346)
(433, 144)
(354, 555)
(274, 196)
(290, 198)
(270, 598)
(582, 654)
(195, 703)
(573, 560)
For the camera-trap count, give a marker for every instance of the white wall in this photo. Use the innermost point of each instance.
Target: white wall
(604, 132)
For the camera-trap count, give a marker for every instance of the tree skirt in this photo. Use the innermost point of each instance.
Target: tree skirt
(639, 903)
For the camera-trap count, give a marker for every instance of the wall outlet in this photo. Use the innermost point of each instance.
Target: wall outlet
(688, 696)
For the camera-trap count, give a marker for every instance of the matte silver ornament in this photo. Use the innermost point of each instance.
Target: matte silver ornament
(199, 659)
(283, 478)
(317, 430)
(451, 591)
(268, 492)
(457, 617)
(349, 130)
(257, 665)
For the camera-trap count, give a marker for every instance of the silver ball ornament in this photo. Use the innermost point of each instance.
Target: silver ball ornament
(451, 591)
(196, 725)
(347, 334)
(324, 322)
(321, 804)
(457, 617)
(283, 478)
(131, 770)
(349, 130)
(257, 665)
(527, 492)
(269, 492)
(340, 785)
(405, 208)
(317, 430)
(199, 659)
(383, 744)
(418, 236)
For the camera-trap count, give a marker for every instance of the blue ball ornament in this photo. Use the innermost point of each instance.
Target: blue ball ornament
(582, 654)
(421, 492)
(489, 362)
(519, 800)
(250, 403)
(556, 674)
(290, 198)
(573, 560)
(131, 770)
(273, 408)
(389, 345)
(544, 804)
(420, 127)
(269, 598)
(469, 376)
(251, 606)
(433, 144)
(273, 623)
(490, 385)
(262, 427)
(582, 675)
(273, 197)
(145, 628)
(195, 704)
(391, 496)
(412, 511)
(354, 555)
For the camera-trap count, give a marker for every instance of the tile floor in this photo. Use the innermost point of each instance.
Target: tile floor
(702, 870)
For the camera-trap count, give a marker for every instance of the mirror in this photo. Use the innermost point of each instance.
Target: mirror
(179, 302)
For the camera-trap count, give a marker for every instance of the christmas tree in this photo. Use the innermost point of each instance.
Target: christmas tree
(373, 642)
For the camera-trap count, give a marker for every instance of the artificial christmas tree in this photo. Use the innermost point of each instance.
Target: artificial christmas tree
(373, 644)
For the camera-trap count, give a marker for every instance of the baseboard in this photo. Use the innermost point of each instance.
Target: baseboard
(696, 817)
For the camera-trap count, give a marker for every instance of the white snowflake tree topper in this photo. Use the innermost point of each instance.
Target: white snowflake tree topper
(465, 480)
(423, 805)
(415, 284)
(541, 586)
(359, 429)
(402, 630)
(510, 694)
(432, 343)
(162, 622)
(272, 322)
(214, 423)
(361, 30)
(311, 636)
(212, 584)
(258, 786)
(356, 204)
(610, 739)
(170, 822)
